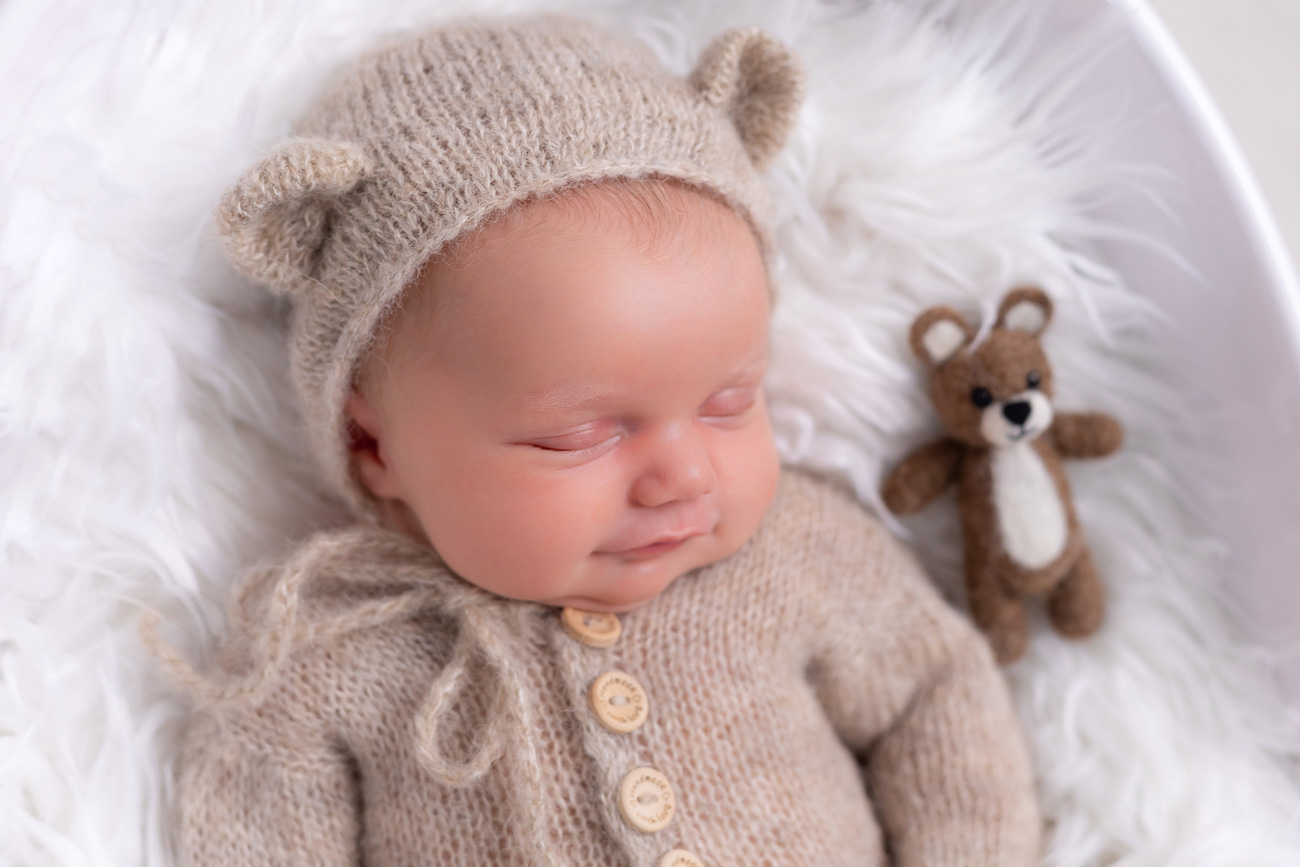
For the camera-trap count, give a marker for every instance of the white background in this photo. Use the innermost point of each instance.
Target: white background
(1247, 53)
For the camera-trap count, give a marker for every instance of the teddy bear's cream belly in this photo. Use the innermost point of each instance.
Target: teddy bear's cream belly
(1030, 516)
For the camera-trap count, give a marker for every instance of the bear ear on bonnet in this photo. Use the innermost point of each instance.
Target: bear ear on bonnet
(937, 335)
(274, 221)
(1028, 310)
(758, 82)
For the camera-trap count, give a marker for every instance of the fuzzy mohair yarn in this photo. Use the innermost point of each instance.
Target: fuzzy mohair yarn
(421, 141)
(372, 707)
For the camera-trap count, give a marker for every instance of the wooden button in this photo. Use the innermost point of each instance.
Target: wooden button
(619, 701)
(594, 628)
(646, 800)
(680, 858)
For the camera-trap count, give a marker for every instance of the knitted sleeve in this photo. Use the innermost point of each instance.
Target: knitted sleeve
(913, 690)
(259, 787)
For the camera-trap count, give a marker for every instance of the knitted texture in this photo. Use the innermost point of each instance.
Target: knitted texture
(421, 142)
(371, 707)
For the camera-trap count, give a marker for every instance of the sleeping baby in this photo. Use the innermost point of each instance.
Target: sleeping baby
(584, 617)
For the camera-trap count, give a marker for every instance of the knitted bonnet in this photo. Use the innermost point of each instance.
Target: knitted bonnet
(420, 142)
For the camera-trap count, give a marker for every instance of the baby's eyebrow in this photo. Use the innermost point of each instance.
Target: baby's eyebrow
(566, 397)
(584, 395)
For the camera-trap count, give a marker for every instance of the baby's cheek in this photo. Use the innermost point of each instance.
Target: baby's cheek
(518, 531)
(750, 473)
(763, 474)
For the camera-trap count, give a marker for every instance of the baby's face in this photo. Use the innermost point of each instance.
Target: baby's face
(581, 421)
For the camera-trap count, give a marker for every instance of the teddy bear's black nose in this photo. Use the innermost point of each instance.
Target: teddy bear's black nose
(1017, 411)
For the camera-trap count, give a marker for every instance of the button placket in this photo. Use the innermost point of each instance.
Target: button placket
(644, 799)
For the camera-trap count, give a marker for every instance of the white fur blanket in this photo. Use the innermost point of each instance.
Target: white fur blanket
(149, 449)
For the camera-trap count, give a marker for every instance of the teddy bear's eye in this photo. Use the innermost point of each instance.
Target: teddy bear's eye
(981, 396)
(1033, 379)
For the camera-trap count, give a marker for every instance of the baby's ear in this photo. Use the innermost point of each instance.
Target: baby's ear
(275, 219)
(1028, 310)
(368, 456)
(938, 333)
(758, 82)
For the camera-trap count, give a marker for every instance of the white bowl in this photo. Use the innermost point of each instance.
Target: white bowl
(1234, 300)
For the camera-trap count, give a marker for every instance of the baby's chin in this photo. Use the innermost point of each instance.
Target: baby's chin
(589, 604)
(625, 597)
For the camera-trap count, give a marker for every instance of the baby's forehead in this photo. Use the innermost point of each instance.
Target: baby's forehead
(663, 217)
(664, 221)
(653, 211)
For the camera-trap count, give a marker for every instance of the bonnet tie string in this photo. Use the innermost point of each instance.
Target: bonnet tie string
(483, 635)
(479, 637)
(285, 620)
(279, 626)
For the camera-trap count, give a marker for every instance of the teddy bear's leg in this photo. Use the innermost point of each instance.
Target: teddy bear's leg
(999, 615)
(1077, 604)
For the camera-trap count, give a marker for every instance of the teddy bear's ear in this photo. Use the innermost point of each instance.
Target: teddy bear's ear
(1028, 310)
(274, 220)
(758, 82)
(938, 333)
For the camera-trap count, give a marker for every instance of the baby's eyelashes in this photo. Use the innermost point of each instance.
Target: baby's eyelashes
(584, 440)
(730, 402)
(727, 405)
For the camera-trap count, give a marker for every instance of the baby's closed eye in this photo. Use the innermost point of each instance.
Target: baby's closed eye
(730, 402)
(727, 406)
(584, 439)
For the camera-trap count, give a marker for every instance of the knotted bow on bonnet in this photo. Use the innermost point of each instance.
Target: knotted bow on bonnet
(423, 141)
(363, 577)
(343, 581)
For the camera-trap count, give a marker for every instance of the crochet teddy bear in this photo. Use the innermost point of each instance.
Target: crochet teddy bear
(1004, 447)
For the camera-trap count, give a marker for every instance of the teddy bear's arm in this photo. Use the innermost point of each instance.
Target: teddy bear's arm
(1086, 434)
(923, 475)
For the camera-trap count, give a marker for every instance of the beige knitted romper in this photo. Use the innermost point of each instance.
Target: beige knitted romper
(768, 678)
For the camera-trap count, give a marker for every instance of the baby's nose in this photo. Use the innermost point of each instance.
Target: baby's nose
(678, 468)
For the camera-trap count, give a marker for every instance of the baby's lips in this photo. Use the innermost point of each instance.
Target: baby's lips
(631, 542)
